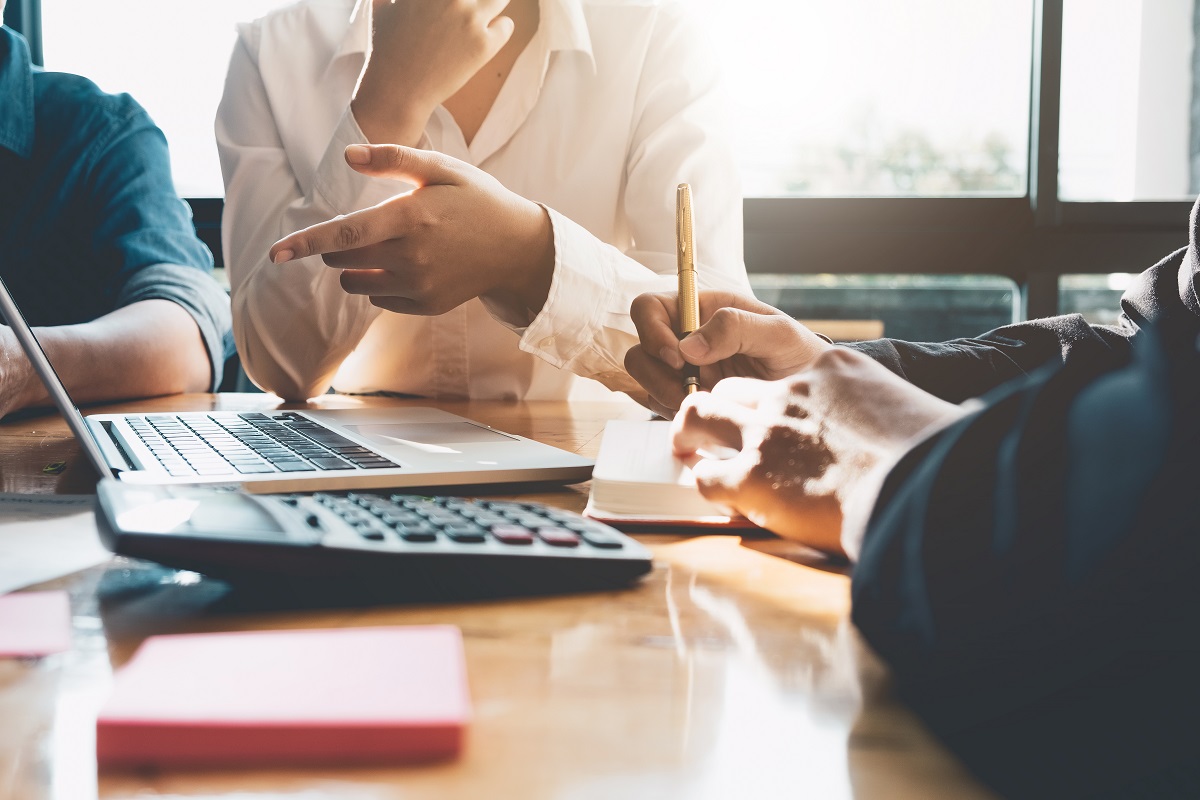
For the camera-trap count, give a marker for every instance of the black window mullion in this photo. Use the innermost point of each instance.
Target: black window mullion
(1039, 291)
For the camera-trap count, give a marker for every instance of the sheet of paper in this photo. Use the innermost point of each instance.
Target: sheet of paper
(35, 624)
(43, 537)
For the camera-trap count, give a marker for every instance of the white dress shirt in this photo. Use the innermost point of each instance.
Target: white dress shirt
(610, 106)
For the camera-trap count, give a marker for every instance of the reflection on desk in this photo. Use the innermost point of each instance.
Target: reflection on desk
(731, 671)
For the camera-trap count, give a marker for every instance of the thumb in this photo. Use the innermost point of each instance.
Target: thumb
(399, 163)
(732, 331)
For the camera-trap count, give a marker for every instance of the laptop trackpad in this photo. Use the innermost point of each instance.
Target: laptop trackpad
(431, 438)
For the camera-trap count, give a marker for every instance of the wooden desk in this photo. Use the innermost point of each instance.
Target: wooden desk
(732, 671)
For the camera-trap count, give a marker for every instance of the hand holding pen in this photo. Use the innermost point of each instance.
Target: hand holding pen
(691, 339)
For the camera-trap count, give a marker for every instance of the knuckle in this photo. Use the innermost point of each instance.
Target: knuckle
(397, 156)
(347, 235)
(835, 358)
(798, 386)
(724, 318)
(641, 305)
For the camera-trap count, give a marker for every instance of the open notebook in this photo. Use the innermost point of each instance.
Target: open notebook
(638, 481)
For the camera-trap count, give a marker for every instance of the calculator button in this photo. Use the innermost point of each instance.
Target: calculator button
(401, 518)
(505, 508)
(371, 534)
(512, 534)
(462, 526)
(465, 536)
(416, 533)
(381, 507)
(417, 525)
(601, 539)
(558, 537)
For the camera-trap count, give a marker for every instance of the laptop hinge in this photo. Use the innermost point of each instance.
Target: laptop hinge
(114, 455)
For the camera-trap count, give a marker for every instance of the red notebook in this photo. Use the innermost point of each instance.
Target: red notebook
(346, 696)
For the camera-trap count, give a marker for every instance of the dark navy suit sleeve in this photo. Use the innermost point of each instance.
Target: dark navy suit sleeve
(1030, 577)
(142, 226)
(963, 368)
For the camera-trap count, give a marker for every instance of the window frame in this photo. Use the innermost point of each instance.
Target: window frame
(1032, 239)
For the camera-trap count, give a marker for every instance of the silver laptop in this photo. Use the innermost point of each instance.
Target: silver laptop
(296, 451)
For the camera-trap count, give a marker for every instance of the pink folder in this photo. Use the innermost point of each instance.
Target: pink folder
(34, 624)
(346, 696)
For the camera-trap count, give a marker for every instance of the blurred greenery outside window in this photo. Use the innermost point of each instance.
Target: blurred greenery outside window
(912, 307)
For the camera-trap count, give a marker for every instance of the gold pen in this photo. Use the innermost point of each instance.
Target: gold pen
(689, 301)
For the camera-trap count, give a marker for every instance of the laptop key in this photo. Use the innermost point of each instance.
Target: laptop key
(205, 470)
(295, 466)
(332, 463)
(254, 469)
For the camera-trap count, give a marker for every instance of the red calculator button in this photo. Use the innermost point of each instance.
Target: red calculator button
(512, 534)
(558, 537)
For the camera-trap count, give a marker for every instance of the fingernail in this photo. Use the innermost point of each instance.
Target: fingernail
(694, 346)
(671, 358)
(358, 154)
(282, 256)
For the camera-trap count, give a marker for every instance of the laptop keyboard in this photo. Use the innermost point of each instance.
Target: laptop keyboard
(249, 444)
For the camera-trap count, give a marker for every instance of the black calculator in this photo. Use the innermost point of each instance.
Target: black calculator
(382, 545)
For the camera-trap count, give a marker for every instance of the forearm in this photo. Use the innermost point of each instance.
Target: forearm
(964, 368)
(145, 349)
(1028, 574)
(977, 530)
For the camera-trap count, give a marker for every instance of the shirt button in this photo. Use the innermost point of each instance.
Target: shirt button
(548, 341)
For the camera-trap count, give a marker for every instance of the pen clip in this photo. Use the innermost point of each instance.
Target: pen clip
(683, 227)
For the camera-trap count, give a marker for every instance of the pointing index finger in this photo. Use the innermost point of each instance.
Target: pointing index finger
(347, 232)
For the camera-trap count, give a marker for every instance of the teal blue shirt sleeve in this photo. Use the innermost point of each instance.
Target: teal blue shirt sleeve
(144, 229)
(89, 217)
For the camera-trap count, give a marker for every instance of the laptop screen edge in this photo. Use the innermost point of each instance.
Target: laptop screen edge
(54, 385)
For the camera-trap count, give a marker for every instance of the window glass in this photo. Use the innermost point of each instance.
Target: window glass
(858, 97)
(170, 56)
(1096, 297)
(922, 308)
(925, 97)
(1127, 110)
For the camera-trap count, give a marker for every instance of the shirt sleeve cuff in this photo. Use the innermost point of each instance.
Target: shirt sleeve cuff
(344, 189)
(579, 296)
(197, 293)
